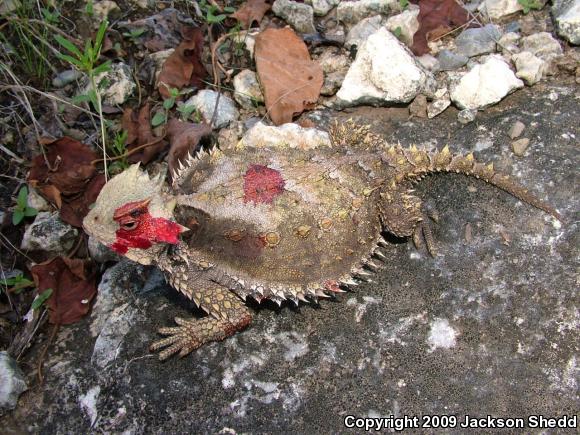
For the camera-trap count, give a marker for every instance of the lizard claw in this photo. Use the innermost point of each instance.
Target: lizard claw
(189, 335)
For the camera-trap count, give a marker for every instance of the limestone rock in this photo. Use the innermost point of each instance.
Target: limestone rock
(500, 8)
(449, 61)
(485, 84)
(205, 100)
(529, 68)
(351, 12)
(103, 10)
(261, 135)
(116, 85)
(516, 129)
(322, 7)
(520, 146)
(247, 89)
(542, 44)
(48, 233)
(299, 15)
(407, 22)
(372, 79)
(566, 15)
(362, 30)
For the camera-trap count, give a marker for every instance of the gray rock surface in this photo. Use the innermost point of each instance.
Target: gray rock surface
(299, 15)
(449, 61)
(485, 84)
(117, 84)
(12, 381)
(264, 135)
(66, 77)
(566, 15)
(360, 32)
(488, 327)
(372, 79)
(205, 101)
(542, 44)
(479, 40)
(322, 7)
(48, 233)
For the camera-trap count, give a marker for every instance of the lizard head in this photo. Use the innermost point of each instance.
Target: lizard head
(133, 217)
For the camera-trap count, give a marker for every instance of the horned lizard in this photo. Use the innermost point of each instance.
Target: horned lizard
(273, 222)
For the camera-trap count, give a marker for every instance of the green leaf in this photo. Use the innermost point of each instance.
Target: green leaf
(9, 282)
(82, 98)
(22, 199)
(30, 211)
(71, 60)
(17, 217)
(168, 104)
(93, 98)
(229, 9)
(397, 32)
(104, 67)
(101, 35)
(158, 119)
(68, 45)
(41, 298)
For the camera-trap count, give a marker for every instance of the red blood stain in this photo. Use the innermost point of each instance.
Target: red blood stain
(262, 184)
(138, 229)
(332, 285)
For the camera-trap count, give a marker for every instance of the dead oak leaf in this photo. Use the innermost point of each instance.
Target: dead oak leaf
(183, 67)
(251, 12)
(139, 133)
(73, 287)
(436, 18)
(290, 79)
(184, 138)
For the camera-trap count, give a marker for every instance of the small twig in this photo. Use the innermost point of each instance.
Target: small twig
(15, 248)
(44, 351)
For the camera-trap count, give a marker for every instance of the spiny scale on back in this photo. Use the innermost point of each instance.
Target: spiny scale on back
(288, 221)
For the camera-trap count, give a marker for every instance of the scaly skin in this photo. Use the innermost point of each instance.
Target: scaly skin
(283, 222)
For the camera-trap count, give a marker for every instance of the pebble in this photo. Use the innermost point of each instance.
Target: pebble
(66, 77)
(49, 233)
(516, 129)
(419, 106)
(500, 8)
(529, 68)
(519, 146)
(352, 12)
(406, 23)
(205, 100)
(466, 116)
(449, 61)
(299, 15)
(247, 93)
(476, 41)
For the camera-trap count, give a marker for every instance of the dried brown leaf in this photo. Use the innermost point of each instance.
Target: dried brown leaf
(184, 137)
(139, 133)
(251, 12)
(183, 67)
(290, 79)
(436, 18)
(73, 288)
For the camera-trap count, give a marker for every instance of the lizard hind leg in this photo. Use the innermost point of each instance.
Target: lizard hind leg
(227, 316)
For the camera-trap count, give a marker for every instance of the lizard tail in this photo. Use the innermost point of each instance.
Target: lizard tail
(421, 163)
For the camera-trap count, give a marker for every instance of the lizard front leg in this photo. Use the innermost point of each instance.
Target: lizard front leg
(227, 315)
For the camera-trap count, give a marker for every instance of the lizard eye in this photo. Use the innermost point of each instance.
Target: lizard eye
(129, 226)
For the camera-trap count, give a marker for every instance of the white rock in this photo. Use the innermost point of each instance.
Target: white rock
(285, 135)
(299, 15)
(205, 100)
(485, 84)
(429, 62)
(116, 85)
(406, 21)
(529, 68)
(12, 381)
(247, 89)
(542, 44)
(332, 60)
(362, 30)
(322, 7)
(372, 79)
(440, 102)
(48, 233)
(36, 201)
(566, 15)
(103, 10)
(509, 42)
(500, 8)
(466, 116)
(351, 12)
